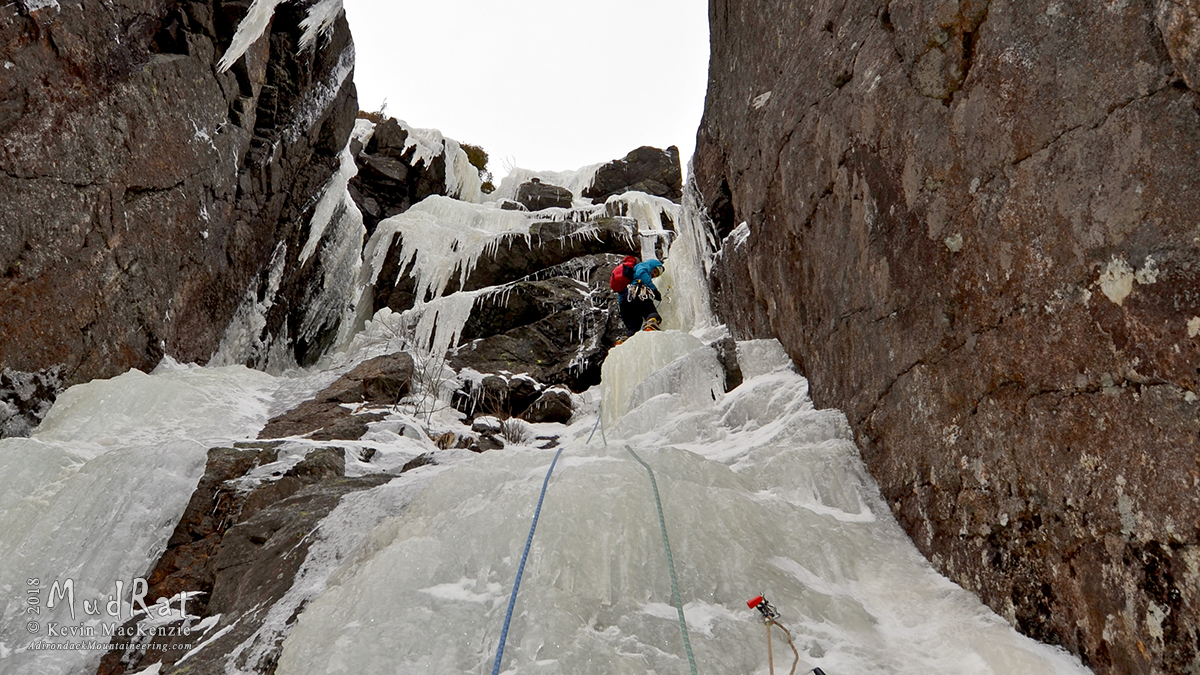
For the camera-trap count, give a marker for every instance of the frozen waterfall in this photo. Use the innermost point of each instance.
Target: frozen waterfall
(761, 492)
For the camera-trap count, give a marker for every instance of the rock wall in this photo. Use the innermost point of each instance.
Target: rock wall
(241, 543)
(972, 225)
(143, 187)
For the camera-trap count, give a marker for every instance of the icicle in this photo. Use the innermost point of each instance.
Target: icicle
(428, 143)
(319, 21)
(340, 290)
(242, 341)
(320, 97)
(462, 178)
(334, 194)
(687, 303)
(440, 322)
(648, 211)
(441, 236)
(251, 28)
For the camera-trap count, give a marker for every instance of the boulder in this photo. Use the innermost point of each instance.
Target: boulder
(646, 169)
(525, 302)
(488, 396)
(536, 195)
(427, 459)
(349, 428)
(384, 379)
(556, 331)
(486, 425)
(986, 256)
(321, 420)
(496, 394)
(523, 390)
(554, 405)
(548, 349)
(486, 442)
(726, 349)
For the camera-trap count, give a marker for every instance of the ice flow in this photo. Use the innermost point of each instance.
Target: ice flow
(761, 492)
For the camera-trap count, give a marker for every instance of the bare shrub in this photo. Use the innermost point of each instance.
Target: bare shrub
(516, 431)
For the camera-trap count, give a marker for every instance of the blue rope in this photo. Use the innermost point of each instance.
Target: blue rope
(599, 414)
(662, 523)
(512, 600)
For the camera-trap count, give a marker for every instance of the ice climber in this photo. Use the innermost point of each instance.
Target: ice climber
(618, 281)
(638, 310)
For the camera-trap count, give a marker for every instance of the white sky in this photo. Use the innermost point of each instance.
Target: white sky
(539, 84)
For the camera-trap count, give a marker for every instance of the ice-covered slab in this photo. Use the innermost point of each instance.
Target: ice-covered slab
(93, 496)
(653, 363)
(758, 357)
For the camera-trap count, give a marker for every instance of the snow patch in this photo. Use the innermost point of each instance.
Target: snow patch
(1148, 274)
(461, 591)
(32, 6)
(739, 236)
(1116, 281)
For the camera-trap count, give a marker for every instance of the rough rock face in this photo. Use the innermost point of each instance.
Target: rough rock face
(240, 542)
(557, 329)
(143, 187)
(389, 181)
(25, 398)
(972, 225)
(650, 170)
(381, 381)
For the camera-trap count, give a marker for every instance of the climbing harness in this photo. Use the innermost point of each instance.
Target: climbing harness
(662, 523)
(512, 600)
(770, 618)
(639, 291)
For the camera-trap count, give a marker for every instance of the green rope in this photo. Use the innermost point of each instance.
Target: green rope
(662, 523)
